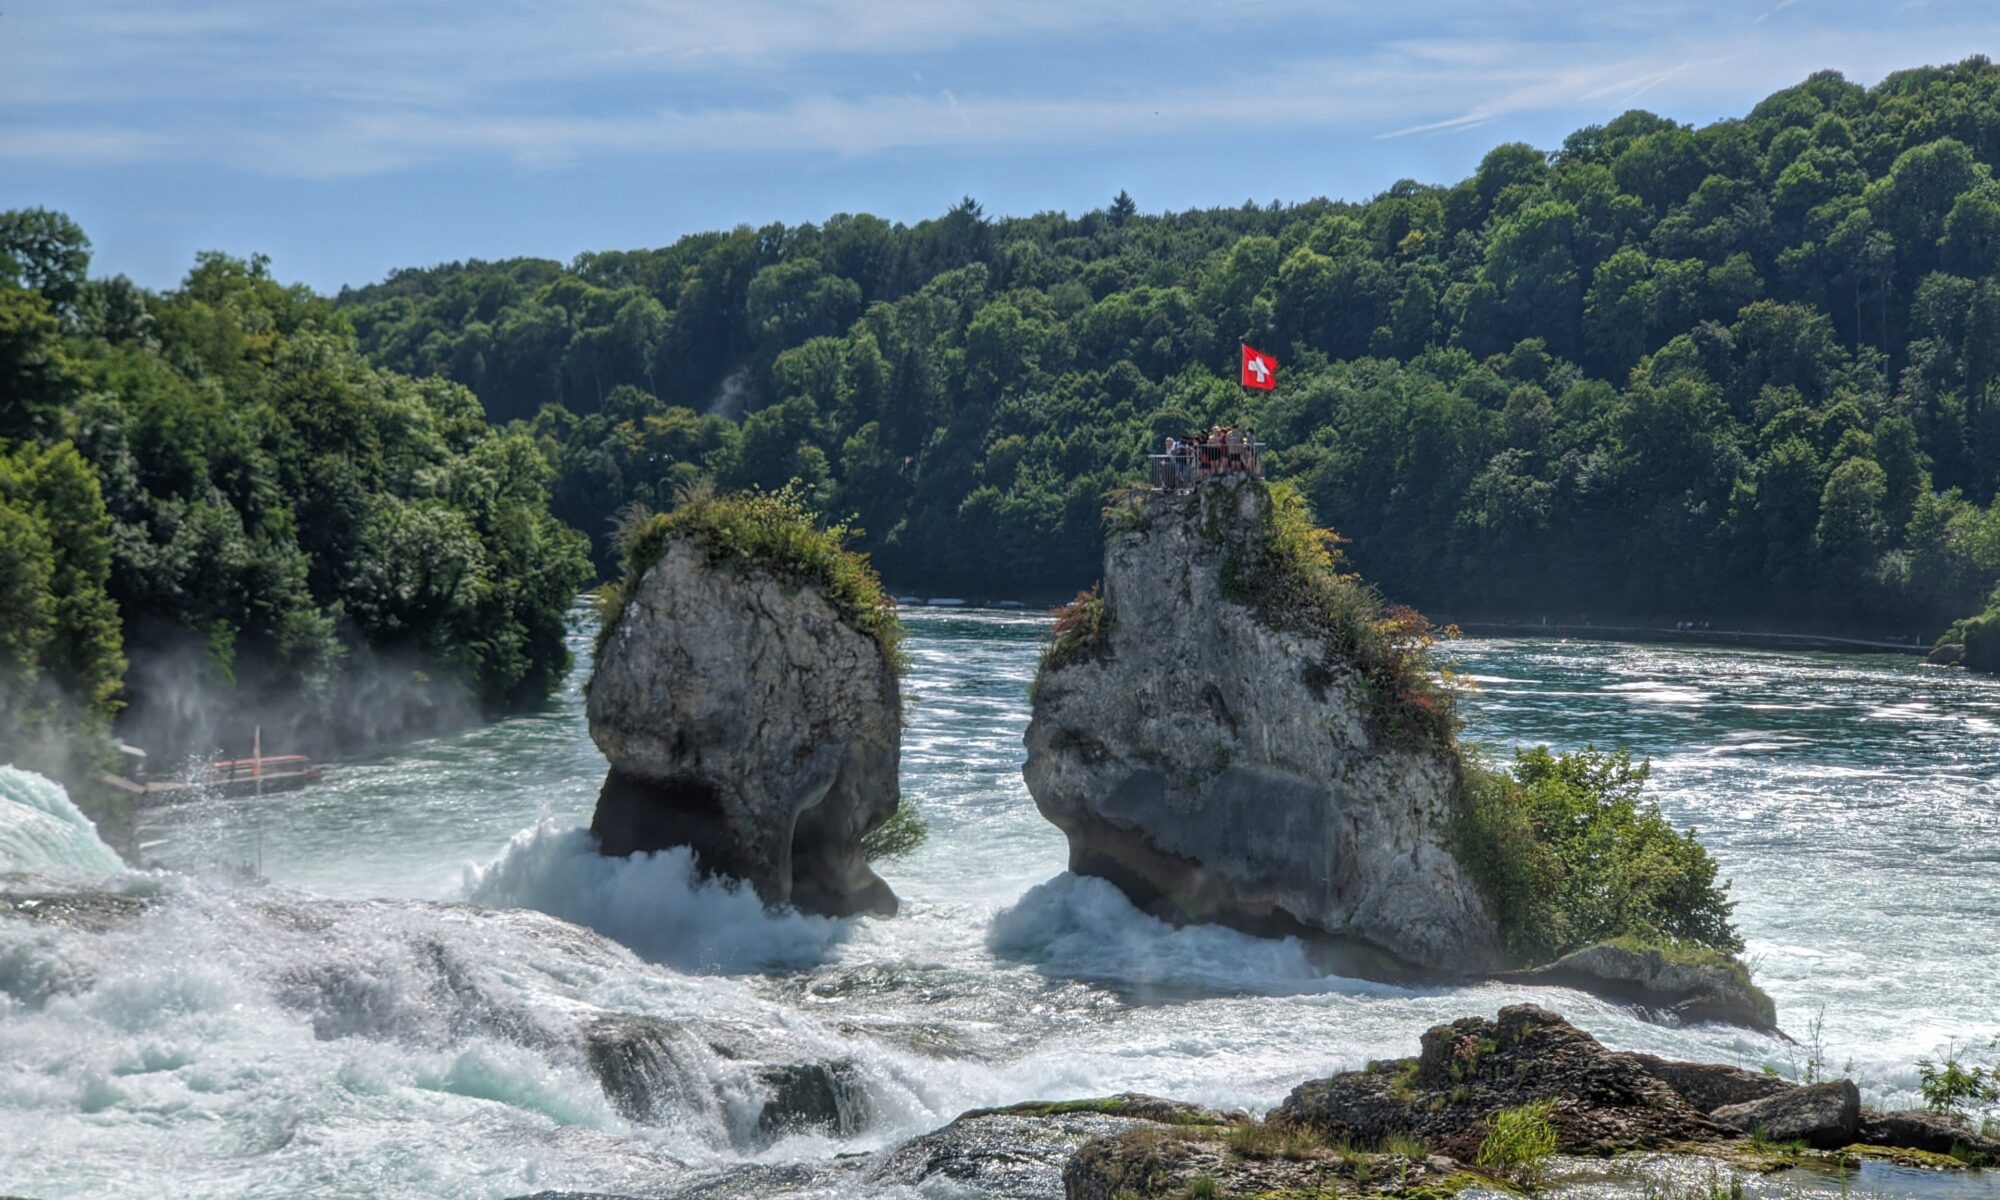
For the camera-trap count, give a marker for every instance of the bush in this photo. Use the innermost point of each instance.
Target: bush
(1081, 631)
(1951, 1086)
(903, 832)
(1567, 855)
(761, 531)
(1292, 578)
(1520, 1143)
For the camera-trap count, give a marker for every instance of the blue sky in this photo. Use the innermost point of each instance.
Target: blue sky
(348, 137)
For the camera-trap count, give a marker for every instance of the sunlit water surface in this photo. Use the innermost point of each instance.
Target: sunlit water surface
(1855, 803)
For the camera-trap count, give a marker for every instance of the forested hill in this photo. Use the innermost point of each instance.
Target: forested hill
(1741, 370)
(215, 515)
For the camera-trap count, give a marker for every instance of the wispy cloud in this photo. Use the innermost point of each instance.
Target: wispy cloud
(340, 88)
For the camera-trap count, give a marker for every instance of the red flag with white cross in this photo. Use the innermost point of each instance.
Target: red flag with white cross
(1260, 370)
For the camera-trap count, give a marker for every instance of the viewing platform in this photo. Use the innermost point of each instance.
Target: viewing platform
(1223, 450)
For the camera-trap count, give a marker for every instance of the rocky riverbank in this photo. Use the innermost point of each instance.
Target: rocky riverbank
(1485, 1108)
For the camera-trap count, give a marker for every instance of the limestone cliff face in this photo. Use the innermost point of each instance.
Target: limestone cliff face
(744, 718)
(1218, 769)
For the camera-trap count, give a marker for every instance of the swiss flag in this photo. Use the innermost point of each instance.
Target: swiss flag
(1260, 370)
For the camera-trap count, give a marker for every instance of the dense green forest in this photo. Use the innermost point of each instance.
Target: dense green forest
(213, 486)
(1746, 370)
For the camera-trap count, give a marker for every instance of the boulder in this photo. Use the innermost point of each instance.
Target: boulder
(1020, 1152)
(1469, 1070)
(1927, 1131)
(1950, 654)
(1672, 989)
(1250, 1160)
(1825, 1116)
(1709, 1086)
(1217, 767)
(745, 717)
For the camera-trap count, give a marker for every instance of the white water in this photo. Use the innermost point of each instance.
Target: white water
(341, 1033)
(42, 833)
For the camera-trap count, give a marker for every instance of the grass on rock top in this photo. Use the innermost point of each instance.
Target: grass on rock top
(770, 532)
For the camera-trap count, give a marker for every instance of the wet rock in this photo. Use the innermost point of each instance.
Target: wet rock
(1019, 1152)
(1947, 655)
(1218, 769)
(1675, 990)
(653, 1070)
(1825, 1116)
(814, 1097)
(744, 717)
(83, 911)
(1929, 1132)
(1709, 1086)
(1174, 1163)
(1473, 1068)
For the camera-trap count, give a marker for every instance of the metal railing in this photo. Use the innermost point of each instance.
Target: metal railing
(1195, 463)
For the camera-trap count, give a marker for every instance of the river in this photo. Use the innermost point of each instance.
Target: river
(337, 1032)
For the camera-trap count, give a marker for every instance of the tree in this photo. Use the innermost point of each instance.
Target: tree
(45, 252)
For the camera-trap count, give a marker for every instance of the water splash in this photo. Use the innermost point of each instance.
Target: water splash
(43, 833)
(657, 904)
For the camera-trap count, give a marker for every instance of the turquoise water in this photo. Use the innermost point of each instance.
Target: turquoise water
(294, 1039)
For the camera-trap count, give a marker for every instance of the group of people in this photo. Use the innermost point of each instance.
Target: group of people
(1223, 450)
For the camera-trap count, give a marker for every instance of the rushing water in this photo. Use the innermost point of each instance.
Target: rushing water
(337, 1032)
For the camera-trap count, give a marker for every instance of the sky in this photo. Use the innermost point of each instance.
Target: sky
(346, 138)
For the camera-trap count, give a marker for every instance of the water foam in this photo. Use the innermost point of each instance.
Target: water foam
(1080, 927)
(657, 904)
(43, 833)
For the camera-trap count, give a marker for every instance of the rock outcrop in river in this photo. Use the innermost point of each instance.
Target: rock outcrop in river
(1220, 764)
(1417, 1126)
(746, 712)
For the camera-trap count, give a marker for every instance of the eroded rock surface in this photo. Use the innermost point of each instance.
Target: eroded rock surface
(744, 718)
(1825, 1116)
(1217, 769)
(1472, 1068)
(1666, 990)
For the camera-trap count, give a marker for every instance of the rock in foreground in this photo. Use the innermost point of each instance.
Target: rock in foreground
(746, 715)
(1218, 765)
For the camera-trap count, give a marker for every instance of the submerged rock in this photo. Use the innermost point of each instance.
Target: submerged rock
(746, 717)
(655, 1071)
(1667, 988)
(1218, 767)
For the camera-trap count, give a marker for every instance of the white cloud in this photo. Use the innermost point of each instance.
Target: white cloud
(320, 88)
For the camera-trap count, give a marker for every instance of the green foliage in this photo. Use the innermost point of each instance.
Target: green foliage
(274, 531)
(1567, 854)
(770, 532)
(1520, 1142)
(1952, 1087)
(1292, 578)
(903, 832)
(61, 650)
(1081, 631)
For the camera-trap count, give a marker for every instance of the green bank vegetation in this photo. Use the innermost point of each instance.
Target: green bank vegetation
(1568, 853)
(214, 512)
